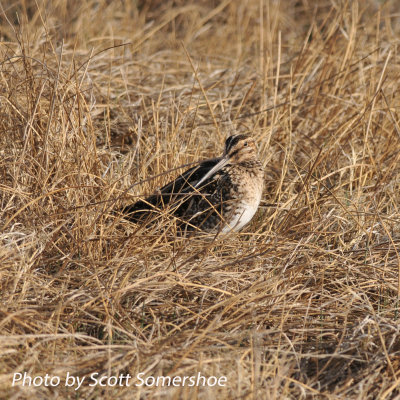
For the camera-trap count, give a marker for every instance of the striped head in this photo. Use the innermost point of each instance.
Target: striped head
(240, 149)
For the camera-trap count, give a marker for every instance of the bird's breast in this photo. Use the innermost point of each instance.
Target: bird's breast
(241, 216)
(246, 192)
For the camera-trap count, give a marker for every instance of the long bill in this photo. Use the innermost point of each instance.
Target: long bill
(224, 160)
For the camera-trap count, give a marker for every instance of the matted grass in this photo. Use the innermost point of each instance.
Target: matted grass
(101, 102)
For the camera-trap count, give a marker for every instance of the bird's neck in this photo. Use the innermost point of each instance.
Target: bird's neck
(250, 164)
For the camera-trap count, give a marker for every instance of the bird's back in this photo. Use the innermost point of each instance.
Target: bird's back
(180, 197)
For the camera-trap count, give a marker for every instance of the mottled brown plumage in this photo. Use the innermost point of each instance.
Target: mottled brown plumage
(220, 194)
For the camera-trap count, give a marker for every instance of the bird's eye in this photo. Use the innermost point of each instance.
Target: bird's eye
(245, 144)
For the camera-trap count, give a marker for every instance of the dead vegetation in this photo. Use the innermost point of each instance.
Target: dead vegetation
(101, 101)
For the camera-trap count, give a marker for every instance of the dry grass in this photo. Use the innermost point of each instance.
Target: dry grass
(97, 97)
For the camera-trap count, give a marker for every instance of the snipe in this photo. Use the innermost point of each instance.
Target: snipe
(220, 194)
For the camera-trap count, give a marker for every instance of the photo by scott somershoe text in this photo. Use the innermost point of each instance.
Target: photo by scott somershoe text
(95, 379)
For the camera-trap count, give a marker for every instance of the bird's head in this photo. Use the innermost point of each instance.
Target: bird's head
(240, 148)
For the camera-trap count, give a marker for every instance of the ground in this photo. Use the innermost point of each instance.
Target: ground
(103, 102)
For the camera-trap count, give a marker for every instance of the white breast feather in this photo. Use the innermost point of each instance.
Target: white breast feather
(243, 217)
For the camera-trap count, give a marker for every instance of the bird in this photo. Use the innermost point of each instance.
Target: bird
(218, 195)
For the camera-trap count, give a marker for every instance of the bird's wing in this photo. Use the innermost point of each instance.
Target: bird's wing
(176, 192)
(188, 180)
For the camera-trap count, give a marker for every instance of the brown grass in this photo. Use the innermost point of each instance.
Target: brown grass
(97, 98)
